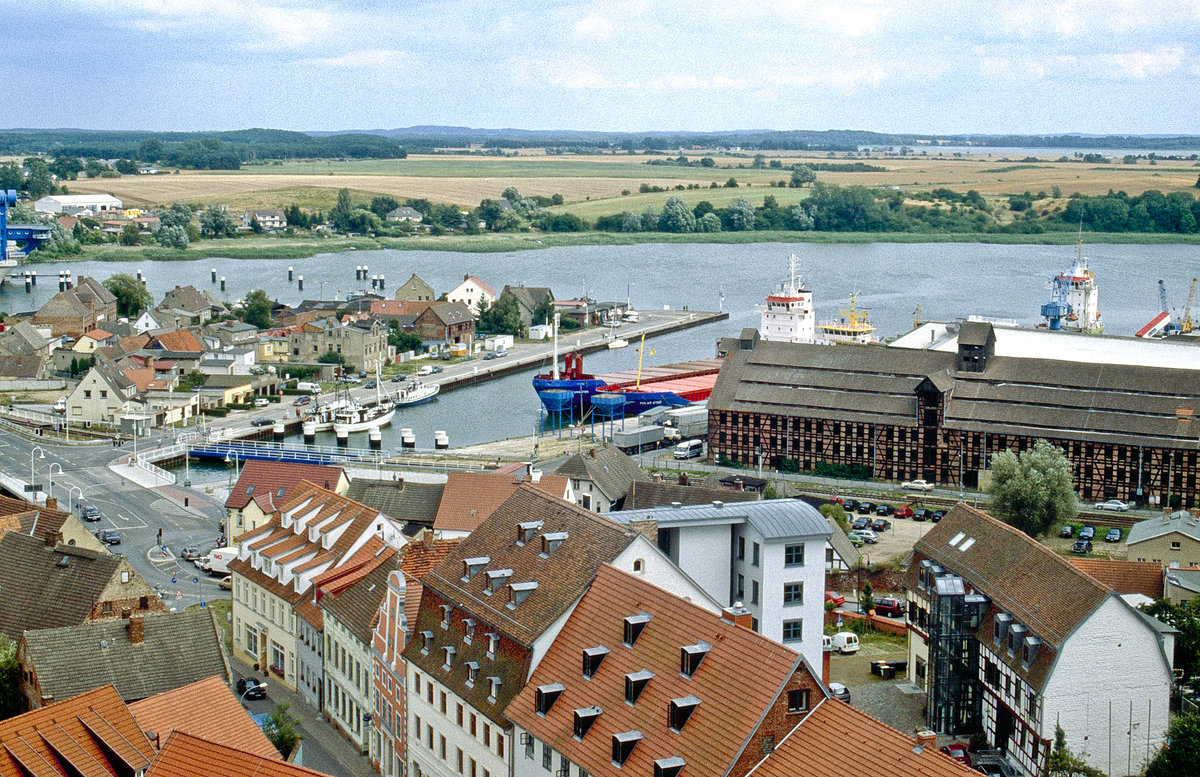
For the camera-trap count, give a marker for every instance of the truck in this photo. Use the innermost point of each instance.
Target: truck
(686, 423)
(309, 386)
(217, 561)
(638, 439)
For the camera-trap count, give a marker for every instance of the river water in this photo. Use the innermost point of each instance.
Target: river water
(948, 280)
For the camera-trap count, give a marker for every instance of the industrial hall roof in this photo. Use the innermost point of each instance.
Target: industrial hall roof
(1088, 401)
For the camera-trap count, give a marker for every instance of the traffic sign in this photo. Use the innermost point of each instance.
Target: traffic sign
(195, 580)
(173, 581)
(178, 594)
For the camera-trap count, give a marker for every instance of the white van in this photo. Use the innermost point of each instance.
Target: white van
(845, 642)
(691, 449)
(311, 388)
(826, 643)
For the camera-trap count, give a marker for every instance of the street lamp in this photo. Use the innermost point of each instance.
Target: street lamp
(71, 497)
(232, 453)
(257, 685)
(628, 296)
(50, 471)
(41, 454)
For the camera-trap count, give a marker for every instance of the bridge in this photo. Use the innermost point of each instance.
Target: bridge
(24, 237)
(240, 451)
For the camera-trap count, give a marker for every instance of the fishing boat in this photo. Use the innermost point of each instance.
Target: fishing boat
(851, 327)
(360, 418)
(415, 392)
(323, 415)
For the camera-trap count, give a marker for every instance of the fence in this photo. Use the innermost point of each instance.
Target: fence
(142, 461)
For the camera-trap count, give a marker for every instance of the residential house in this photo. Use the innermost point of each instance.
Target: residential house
(263, 487)
(47, 523)
(165, 406)
(23, 339)
(269, 219)
(529, 300)
(601, 476)
(206, 708)
(88, 342)
(1181, 584)
(473, 293)
(30, 367)
(316, 531)
(85, 306)
(231, 361)
(411, 504)
(405, 213)
(139, 656)
(469, 498)
(153, 319)
(199, 305)
(442, 322)
(348, 618)
(102, 396)
(48, 584)
(81, 204)
(1172, 540)
(229, 334)
(184, 755)
(181, 343)
(1138, 578)
(640, 681)
(390, 634)
(415, 290)
(655, 493)
(363, 345)
(490, 611)
(1004, 635)
(766, 556)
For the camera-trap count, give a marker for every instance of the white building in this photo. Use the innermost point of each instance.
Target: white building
(72, 204)
(787, 316)
(473, 293)
(769, 555)
(1006, 637)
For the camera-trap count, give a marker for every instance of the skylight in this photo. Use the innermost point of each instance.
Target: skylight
(957, 539)
(970, 541)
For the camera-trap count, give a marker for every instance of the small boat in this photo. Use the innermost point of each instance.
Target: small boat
(851, 327)
(415, 392)
(323, 415)
(360, 418)
(617, 343)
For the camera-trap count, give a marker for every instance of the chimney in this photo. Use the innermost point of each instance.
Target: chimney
(648, 529)
(79, 280)
(738, 616)
(153, 737)
(739, 484)
(149, 362)
(592, 452)
(717, 503)
(535, 476)
(926, 738)
(51, 503)
(825, 654)
(136, 630)
(656, 477)
(427, 537)
(53, 539)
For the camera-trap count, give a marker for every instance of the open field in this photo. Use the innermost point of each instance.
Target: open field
(583, 180)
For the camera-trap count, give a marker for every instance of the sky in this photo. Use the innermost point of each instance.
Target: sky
(986, 66)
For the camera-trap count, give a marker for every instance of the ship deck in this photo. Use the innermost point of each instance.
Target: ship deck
(652, 378)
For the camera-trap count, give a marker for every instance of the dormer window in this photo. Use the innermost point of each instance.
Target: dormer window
(592, 659)
(426, 641)
(635, 683)
(449, 661)
(472, 673)
(623, 745)
(471, 566)
(1016, 636)
(634, 625)
(551, 541)
(584, 719)
(468, 629)
(1000, 627)
(680, 710)
(493, 640)
(546, 695)
(519, 592)
(494, 689)
(669, 767)
(527, 530)
(445, 608)
(496, 578)
(691, 656)
(1029, 650)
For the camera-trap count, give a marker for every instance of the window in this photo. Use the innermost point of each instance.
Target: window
(493, 639)
(691, 656)
(125, 579)
(458, 759)
(793, 555)
(487, 735)
(499, 745)
(741, 548)
(443, 703)
(623, 745)
(753, 592)
(426, 643)
(635, 683)
(458, 715)
(544, 698)
(551, 542)
(445, 616)
(449, 661)
(527, 741)
(472, 675)
(87, 394)
(1175, 545)
(754, 560)
(474, 720)
(741, 587)
(797, 700)
(526, 531)
(634, 624)
(417, 728)
(669, 767)
(251, 640)
(793, 631)
(680, 710)
(793, 593)
(519, 592)
(547, 757)
(584, 719)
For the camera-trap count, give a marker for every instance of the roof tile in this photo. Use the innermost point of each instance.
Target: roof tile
(206, 709)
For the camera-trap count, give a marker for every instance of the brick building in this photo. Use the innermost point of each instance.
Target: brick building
(84, 307)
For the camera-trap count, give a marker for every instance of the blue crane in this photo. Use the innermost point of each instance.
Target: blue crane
(1057, 308)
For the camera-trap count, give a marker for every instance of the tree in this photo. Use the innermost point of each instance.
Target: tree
(709, 222)
(1033, 490)
(401, 340)
(132, 296)
(38, 183)
(1182, 755)
(631, 222)
(178, 215)
(544, 313)
(172, 237)
(130, 235)
(800, 219)
(12, 701)
(255, 226)
(126, 166)
(216, 222)
(501, 317)
(331, 357)
(837, 514)
(257, 310)
(1064, 763)
(341, 214)
(731, 183)
(67, 168)
(676, 217)
(383, 205)
(151, 150)
(739, 216)
(866, 598)
(801, 174)
(280, 727)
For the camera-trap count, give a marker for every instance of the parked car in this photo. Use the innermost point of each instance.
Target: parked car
(845, 642)
(868, 536)
(861, 522)
(399, 378)
(917, 485)
(262, 422)
(855, 540)
(849, 505)
(904, 512)
(1088, 532)
(489, 356)
(958, 751)
(837, 599)
(890, 606)
(1113, 535)
(937, 515)
(920, 514)
(885, 510)
(249, 688)
(839, 692)
(226, 582)
(89, 512)
(370, 384)
(261, 402)
(866, 508)
(425, 370)
(881, 524)
(108, 537)
(437, 368)
(190, 552)
(1115, 505)
(1067, 531)
(1082, 547)
(353, 379)
(302, 401)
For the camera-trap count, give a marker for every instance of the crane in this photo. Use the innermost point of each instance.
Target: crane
(1057, 308)
(1185, 322)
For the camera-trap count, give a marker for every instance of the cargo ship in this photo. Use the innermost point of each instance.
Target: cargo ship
(620, 394)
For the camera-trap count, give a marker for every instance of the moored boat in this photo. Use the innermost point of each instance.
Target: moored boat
(851, 327)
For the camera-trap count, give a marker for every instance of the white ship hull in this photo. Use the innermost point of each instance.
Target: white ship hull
(415, 393)
(367, 423)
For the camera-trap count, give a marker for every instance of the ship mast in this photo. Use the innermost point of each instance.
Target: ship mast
(554, 369)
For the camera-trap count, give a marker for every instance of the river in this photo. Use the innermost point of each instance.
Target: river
(948, 280)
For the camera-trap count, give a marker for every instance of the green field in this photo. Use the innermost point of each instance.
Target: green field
(720, 198)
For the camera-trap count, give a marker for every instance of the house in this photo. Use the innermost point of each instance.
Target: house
(655, 493)
(411, 504)
(529, 300)
(469, 498)
(765, 556)
(317, 531)
(1172, 540)
(473, 293)
(442, 322)
(81, 308)
(263, 487)
(89, 341)
(47, 523)
(390, 634)
(179, 341)
(415, 290)
(199, 305)
(206, 709)
(152, 319)
(490, 611)
(1003, 637)
(102, 396)
(348, 618)
(229, 334)
(1142, 578)
(184, 755)
(600, 477)
(363, 345)
(140, 656)
(1181, 584)
(23, 339)
(30, 367)
(48, 584)
(405, 213)
(72, 204)
(640, 681)
(269, 219)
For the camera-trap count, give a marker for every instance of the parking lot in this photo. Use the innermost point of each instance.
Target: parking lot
(897, 540)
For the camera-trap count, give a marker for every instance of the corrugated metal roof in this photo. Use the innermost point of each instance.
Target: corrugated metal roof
(772, 518)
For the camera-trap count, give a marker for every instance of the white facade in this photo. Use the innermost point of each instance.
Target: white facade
(447, 737)
(77, 203)
(348, 670)
(472, 294)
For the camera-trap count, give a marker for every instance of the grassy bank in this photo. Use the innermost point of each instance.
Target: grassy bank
(271, 247)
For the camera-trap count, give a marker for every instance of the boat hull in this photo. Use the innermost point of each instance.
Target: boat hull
(419, 395)
(382, 419)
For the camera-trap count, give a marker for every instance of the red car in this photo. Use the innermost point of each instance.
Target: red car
(904, 512)
(890, 606)
(837, 599)
(958, 752)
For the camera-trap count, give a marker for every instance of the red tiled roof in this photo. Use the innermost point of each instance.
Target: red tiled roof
(180, 340)
(1125, 577)
(132, 343)
(97, 334)
(367, 558)
(836, 740)
(185, 755)
(142, 377)
(205, 709)
(740, 677)
(418, 559)
(470, 497)
(268, 477)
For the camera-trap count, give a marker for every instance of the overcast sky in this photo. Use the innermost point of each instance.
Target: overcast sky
(991, 66)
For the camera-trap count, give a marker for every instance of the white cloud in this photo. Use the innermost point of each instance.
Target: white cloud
(364, 58)
(593, 26)
(1142, 64)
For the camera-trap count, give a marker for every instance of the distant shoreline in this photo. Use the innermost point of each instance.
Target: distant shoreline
(300, 248)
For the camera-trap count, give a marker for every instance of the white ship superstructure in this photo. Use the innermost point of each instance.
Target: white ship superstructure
(787, 316)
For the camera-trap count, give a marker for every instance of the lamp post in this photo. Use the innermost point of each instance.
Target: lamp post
(232, 453)
(50, 471)
(251, 688)
(41, 454)
(71, 497)
(628, 296)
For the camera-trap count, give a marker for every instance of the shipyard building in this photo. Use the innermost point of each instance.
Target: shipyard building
(941, 401)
